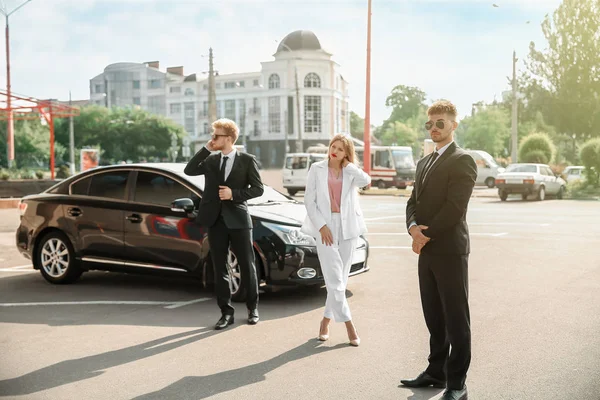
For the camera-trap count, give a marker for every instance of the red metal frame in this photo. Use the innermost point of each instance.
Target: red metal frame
(18, 107)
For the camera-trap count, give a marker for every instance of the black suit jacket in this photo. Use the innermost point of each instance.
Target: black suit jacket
(441, 201)
(243, 180)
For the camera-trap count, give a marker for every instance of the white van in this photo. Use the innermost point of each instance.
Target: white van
(487, 168)
(295, 170)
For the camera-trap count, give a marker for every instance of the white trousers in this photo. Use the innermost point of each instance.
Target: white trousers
(336, 261)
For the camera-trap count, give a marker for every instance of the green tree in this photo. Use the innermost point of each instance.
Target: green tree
(357, 126)
(488, 129)
(563, 79)
(32, 144)
(590, 157)
(537, 148)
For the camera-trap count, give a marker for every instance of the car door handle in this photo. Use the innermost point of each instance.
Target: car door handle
(134, 218)
(74, 212)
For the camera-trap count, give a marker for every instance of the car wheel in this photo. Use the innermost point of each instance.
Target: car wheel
(490, 182)
(56, 258)
(292, 192)
(541, 195)
(238, 293)
(503, 195)
(561, 193)
(381, 184)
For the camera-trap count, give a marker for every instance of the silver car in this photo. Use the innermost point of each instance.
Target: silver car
(530, 179)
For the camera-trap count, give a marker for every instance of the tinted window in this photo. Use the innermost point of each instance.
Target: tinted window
(296, 162)
(109, 184)
(81, 187)
(159, 189)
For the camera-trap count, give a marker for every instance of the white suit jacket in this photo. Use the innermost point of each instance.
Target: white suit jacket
(318, 204)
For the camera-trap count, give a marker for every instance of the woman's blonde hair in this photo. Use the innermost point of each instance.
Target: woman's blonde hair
(348, 146)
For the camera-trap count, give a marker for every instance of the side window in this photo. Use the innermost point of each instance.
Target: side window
(296, 162)
(382, 159)
(548, 171)
(158, 189)
(81, 187)
(109, 184)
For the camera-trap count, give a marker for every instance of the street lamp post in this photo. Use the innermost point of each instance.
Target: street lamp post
(10, 133)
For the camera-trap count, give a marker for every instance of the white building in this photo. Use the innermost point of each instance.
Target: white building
(263, 103)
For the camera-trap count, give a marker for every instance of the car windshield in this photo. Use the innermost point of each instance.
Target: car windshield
(403, 158)
(489, 159)
(521, 168)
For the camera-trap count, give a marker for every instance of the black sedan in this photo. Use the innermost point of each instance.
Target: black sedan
(140, 218)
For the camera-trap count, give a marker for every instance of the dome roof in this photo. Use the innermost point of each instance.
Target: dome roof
(299, 40)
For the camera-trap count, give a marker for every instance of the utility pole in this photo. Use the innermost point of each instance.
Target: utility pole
(299, 145)
(10, 128)
(367, 133)
(212, 94)
(515, 108)
(71, 139)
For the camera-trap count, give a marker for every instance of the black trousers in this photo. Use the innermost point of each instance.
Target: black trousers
(443, 280)
(220, 238)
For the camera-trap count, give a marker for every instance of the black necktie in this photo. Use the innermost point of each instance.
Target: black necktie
(222, 172)
(428, 166)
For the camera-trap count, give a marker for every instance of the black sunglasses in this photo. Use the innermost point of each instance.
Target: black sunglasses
(439, 124)
(215, 137)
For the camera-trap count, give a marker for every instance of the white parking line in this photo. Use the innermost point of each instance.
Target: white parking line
(406, 234)
(167, 304)
(382, 218)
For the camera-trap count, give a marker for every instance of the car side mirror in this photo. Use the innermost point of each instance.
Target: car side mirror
(184, 205)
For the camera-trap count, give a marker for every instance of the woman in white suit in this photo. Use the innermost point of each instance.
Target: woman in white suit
(335, 220)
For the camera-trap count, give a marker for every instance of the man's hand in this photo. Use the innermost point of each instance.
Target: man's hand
(210, 145)
(417, 247)
(225, 193)
(419, 240)
(326, 236)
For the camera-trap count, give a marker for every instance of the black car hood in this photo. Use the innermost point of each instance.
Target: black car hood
(285, 213)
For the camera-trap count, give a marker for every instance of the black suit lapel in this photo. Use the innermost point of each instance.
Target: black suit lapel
(436, 164)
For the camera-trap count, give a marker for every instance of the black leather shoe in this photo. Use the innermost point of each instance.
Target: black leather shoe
(453, 394)
(253, 316)
(424, 380)
(226, 319)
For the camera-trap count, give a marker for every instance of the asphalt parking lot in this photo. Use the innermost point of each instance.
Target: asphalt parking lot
(535, 306)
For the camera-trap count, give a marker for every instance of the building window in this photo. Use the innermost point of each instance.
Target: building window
(189, 92)
(154, 84)
(274, 114)
(189, 122)
(205, 87)
(241, 121)
(229, 85)
(256, 83)
(256, 130)
(204, 112)
(136, 84)
(242, 83)
(99, 89)
(274, 81)
(219, 108)
(337, 116)
(175, 89)
(312, 114)
(312, 80)
(175, 108)
(137, 101)
(230, 109)
(157, 104)
(206, 128)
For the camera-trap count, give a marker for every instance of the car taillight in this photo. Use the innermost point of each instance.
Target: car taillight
(528, 181)
(22, 208)
(500, 181)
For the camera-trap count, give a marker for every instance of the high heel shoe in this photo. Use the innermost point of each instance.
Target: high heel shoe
(323, 337)
(355, 342)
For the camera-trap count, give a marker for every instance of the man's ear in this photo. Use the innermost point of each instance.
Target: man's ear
(454, 125)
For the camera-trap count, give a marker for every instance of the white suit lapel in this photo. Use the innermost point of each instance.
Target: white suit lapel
(324, 182)
(346, 185)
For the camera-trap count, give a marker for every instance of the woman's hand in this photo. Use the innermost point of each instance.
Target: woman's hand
(326, 236)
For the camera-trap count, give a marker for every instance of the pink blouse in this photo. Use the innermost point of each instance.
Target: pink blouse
(335, 190)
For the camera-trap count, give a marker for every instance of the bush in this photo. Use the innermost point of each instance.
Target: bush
(63, 172)
(590, 157)
(27, 174)
(39, 174)
(537, 143)
(535, 156)
(4, 175)
(582, 190)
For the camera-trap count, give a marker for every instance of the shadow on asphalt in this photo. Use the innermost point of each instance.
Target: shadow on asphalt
(101, 286)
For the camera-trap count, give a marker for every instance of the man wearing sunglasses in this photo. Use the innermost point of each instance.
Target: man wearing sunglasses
(230, 179)
(436, 220)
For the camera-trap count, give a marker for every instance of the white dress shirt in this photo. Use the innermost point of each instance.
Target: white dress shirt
(229, 165)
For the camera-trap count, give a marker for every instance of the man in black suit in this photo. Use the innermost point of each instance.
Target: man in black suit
(230, 178)
(436, 220)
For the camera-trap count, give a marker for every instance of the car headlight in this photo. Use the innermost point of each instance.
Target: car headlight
(291, 234)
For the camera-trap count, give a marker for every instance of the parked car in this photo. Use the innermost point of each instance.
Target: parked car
(573, 173)
(140, 218)
(295, 170)
(528, 179)
(487, 168)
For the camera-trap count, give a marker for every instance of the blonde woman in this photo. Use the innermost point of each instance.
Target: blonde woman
(335, 220)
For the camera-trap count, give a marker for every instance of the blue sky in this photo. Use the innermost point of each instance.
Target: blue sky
(459, 50)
